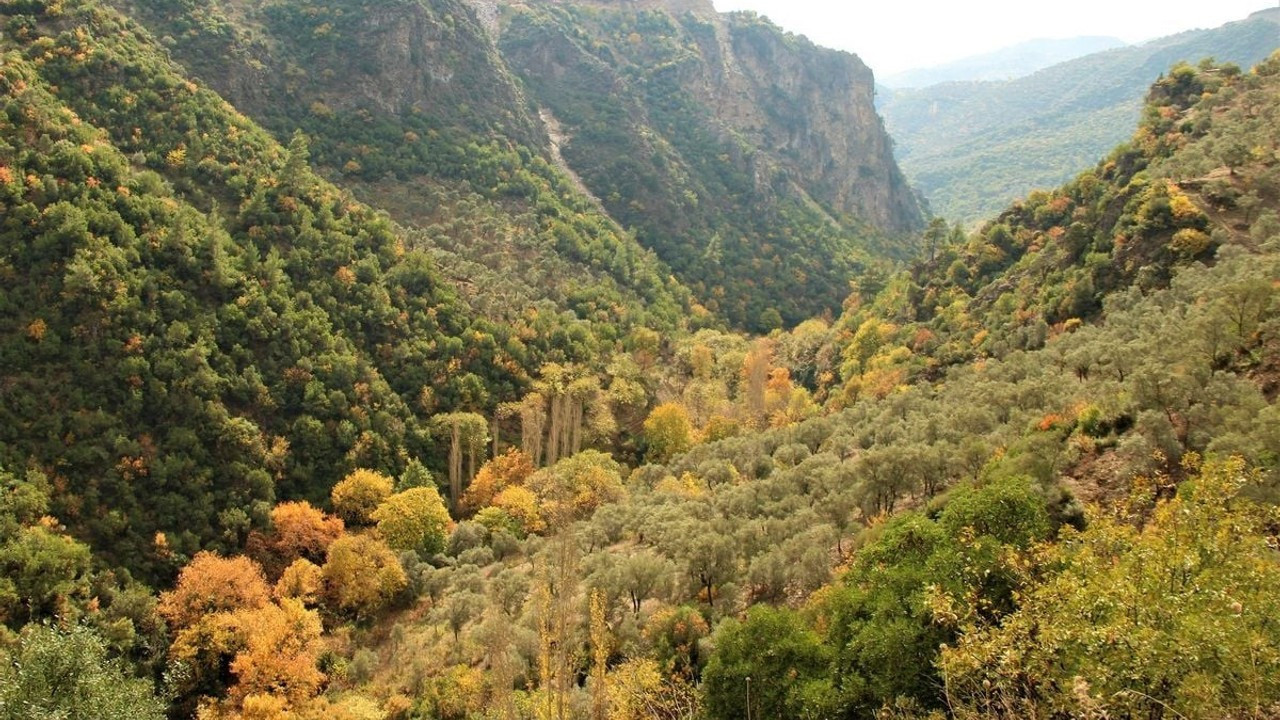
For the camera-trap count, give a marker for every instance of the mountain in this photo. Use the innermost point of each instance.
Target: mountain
(1007, 63)
(710, 134)
(971, 148)
(267, 451)
(750, 161)
(407, 105)
(258, 328)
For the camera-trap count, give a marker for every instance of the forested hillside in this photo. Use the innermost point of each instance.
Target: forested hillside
(764, 192)
(268, 454)
(407, 105)
(973, 147)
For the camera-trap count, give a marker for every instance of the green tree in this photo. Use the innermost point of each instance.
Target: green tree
(41, 571)
(776, 660)
(66, 674)
(1175, 618)
(415, 519)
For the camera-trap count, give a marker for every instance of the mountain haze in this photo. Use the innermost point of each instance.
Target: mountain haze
(972, 147)
(1007, 63)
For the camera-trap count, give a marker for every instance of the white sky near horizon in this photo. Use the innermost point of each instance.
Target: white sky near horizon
(895, 35)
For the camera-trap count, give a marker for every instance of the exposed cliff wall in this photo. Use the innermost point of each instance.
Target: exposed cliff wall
(751, 161)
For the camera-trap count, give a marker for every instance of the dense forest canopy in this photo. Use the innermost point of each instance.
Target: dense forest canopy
(287, 438)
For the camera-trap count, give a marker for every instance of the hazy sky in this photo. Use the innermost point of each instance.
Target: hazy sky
(896, 35)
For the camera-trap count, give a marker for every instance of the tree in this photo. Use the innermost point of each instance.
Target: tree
(510, 468)
(415, 519)
(710, 558)
(755, 373)
(667, 432)
(281, 647)
(638, 690)
(362, 575)
(468, 433)
(601, 646)
(785, 663)
(575, 486)
(1175, 617)
(302, 580)
(212, 584)
(298, 530)
(67, 674)
(674, 637)
(918, 581)
(521, 504)
(359, 494)
(643, 575)
(41, 571)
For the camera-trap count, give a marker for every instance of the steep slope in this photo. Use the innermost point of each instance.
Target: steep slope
(195, 324)
(1199, 175)
(407, 104)
(1007, 63)
(752, 161)
(762, 212)
(971, 148)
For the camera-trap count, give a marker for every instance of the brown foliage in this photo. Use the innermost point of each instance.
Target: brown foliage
(211, 584)
(298, 531)
(511, 468)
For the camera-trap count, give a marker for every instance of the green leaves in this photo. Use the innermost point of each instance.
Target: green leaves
(1176, 616)
(66, 674)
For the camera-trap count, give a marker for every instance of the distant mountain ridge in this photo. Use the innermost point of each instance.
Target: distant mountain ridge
(971, 148)
(1007, 63)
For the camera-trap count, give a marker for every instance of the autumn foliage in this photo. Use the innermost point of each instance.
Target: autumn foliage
(359, 494)
(362, 575)
(510, 468)
(211, 584)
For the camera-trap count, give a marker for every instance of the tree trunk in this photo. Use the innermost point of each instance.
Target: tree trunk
(455, 465)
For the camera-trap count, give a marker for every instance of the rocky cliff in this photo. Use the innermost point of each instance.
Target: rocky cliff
(751, 161)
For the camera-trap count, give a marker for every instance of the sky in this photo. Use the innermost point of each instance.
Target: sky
(896, 35)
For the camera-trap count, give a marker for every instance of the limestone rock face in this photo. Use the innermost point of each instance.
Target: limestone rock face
(391, 57)
(750, 161)
(809, 111)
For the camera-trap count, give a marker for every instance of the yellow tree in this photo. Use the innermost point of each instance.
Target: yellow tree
(521, 504)
(281, 647)
(302, 580)
(755, 375)
(510, 468)
(362, 575)
(668, 432)
(359, 493)
(1174, 617)
(574, 487)
(600, 649)
(211, 584)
